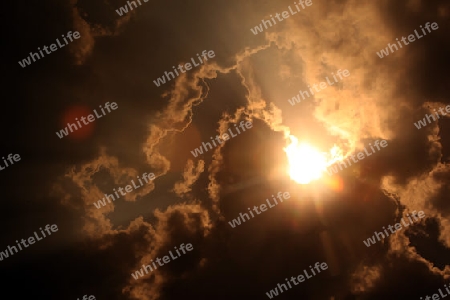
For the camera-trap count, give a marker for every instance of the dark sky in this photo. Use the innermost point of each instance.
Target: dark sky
(154, 129)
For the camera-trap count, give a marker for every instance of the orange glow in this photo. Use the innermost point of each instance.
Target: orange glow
(77, 112)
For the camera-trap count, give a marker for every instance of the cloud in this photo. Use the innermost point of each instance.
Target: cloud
(190, 176)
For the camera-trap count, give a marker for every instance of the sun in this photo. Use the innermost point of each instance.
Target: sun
(305, 162)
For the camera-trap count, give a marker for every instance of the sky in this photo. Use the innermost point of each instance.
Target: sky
(193, 199)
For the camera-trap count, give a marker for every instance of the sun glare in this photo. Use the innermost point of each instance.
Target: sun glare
(305, 162)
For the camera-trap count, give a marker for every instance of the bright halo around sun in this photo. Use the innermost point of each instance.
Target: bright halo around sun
(305, 162)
